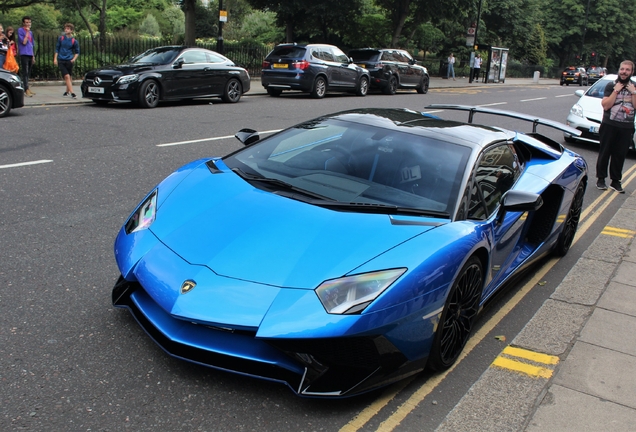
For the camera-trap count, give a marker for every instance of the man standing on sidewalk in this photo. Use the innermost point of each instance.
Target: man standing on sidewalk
(617, 127)
(66, 52)
(27, 57)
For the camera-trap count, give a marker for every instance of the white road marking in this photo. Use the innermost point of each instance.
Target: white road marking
(567, 95)
(21, 164)
(210, 139)
(528, 100)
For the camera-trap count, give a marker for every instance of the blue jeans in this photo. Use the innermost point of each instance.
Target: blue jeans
(2, 59)
(451, 71)
(26, 62)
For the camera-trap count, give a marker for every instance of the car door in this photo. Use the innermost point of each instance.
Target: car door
(324, 62)
(191, 80)
(347, 72)
(217, 73)
(496, 172)
(412, 73)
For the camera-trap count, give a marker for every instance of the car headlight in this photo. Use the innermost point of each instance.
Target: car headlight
(577, 110)
(127, 79)
(351, 294)
(144, 216)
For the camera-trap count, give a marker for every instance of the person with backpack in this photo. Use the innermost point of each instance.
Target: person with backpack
(66, 52)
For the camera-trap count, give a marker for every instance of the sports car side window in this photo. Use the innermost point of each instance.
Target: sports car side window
(191, 57)
(496, 173)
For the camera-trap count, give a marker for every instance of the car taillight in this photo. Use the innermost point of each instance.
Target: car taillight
(266, 64)
(577, 74)
(565, 73)
(302, 65)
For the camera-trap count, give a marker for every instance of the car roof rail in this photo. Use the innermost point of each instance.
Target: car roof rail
(526, 117)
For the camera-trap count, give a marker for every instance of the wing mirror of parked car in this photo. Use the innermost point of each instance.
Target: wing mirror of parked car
(179, 63)
(518, 201)
(579, 93)
(247, 136)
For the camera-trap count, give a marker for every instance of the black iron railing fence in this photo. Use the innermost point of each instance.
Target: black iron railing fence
(118, 50)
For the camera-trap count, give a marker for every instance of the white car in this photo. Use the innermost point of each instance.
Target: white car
(587, 113)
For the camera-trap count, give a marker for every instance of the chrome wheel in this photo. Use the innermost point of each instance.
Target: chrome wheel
(232, 92)
(5, 102)
(363, 87)
(320, 88)
(149, 94)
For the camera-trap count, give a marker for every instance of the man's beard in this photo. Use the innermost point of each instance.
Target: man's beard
(623, 81)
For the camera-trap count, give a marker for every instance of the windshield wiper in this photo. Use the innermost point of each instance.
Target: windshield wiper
(382, 208)
(281, 185)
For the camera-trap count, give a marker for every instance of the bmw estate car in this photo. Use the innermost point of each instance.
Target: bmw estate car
(11, 92)
(349, 251)
(315, 69)
(392, 69)
(167, 73)
(587, 113)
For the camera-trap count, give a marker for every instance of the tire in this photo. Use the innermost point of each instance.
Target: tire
(458, 316)
(101, 102)
(274, 92)
(391, 87)
(571, 222)
(320, 88)
(232, 92)
(561, 82)
(149, 94)
(423, 88)
(363, 86)
(6, 102)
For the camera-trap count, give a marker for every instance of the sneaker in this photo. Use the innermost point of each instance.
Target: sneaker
(29, 93)
(600, 184)
(66, 94)
(616, 185)
(73, 96)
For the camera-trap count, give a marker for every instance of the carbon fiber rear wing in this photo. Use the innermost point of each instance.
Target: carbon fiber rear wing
(526, 117)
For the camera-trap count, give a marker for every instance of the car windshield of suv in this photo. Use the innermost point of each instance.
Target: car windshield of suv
(288, 52)
(157, 56)
(364, 55)
(356, 166)
(594, 70)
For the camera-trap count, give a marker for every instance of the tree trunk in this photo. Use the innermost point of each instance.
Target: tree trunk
(402, 15)
(190, 22)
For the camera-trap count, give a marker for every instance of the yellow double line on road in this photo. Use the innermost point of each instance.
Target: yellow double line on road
(588, 217)
(504, 361)
(618, 232)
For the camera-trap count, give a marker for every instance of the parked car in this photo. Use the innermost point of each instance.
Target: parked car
(167, 73)
(391, 69)
(587, 113)
(11, 92)
(349, 251)
(314, 69)
(574, 75)
(595, 73)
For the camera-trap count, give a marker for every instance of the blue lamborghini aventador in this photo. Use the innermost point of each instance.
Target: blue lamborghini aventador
(349, 251)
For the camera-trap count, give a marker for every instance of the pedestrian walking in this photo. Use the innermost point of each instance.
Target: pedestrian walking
(66, 52)
(451, 67)
(617, 127)
(476, 67)
(4, 46)
(27, 56)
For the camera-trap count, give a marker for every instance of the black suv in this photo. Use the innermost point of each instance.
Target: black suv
(391, 69)
(574, 75)
(595, 73)
(313, 69)
(11, 92)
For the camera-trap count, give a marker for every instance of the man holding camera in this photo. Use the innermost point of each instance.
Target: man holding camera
(617, 127)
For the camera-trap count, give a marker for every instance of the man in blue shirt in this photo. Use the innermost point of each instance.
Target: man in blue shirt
(66, 52)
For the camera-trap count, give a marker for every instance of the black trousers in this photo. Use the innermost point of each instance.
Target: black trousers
(615, 143)
(476, 74)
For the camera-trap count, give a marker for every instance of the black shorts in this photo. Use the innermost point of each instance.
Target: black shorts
(66, 67)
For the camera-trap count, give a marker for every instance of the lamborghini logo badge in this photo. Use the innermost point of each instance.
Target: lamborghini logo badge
(188, 286)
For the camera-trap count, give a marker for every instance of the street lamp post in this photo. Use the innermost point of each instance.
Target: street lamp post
(470, 78)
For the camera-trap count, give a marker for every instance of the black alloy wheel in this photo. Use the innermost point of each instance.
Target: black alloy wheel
(233, 91)
(423, 88)
(363, 86)
(320, 88)
(149, 94)
(392, 86)
(571, 222)
(6, 102)
(458, 316)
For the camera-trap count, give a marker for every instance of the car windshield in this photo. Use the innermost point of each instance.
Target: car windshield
(157, 56)
(597, 90)
(358, 165)
(364, 55)
(594, 70)
(288, 52)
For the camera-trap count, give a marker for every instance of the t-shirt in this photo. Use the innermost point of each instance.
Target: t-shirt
(25, 50)
(477, 62)
(621, 114)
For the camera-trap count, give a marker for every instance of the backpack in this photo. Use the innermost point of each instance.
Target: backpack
(72, 41)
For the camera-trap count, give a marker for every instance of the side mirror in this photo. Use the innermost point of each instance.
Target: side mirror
(519, 202)
(247, 136)
(579, 93)
(178, 64)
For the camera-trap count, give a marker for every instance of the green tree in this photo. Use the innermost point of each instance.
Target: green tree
(149, 26)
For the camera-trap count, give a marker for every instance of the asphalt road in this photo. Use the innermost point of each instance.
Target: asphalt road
(69, 361)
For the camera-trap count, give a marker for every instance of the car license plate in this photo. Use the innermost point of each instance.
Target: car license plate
(593, 129)
(95, 90)
(280, 66)
(362, 66)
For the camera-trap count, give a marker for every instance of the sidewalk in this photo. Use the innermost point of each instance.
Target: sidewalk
(582, 341)
(50, 92)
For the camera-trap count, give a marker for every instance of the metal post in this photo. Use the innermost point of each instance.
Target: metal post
(219, 40)
(470, 79)
(587, 10)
